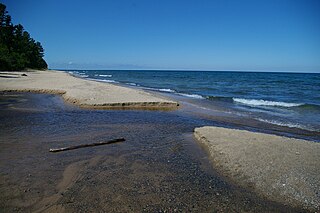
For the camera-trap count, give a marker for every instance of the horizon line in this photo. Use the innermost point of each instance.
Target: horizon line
(189, 70)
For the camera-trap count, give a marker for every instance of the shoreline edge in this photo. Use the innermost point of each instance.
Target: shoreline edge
(278, 168)
(83, 93)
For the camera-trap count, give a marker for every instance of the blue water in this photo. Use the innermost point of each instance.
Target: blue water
(284, 99)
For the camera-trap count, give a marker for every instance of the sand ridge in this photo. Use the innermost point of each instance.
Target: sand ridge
(278, 168)
(81, 92)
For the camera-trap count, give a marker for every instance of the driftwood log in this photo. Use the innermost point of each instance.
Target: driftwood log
(87, 145)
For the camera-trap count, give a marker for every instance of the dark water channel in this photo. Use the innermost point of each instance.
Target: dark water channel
(159, 168)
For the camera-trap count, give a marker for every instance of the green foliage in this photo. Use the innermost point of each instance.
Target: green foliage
(18, 50)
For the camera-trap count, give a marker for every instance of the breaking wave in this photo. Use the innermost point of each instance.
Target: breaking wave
(166, 90)
(109, 76)
(254, 102)
(132, 84)
(191, 95)
(103, 80)
(285, 124)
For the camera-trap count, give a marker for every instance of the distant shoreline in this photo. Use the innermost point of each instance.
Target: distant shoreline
(83, 93)
(189, 70)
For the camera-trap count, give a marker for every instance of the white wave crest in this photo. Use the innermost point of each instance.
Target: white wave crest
(109, 76)
(285, 124)
(108, 81)
(166, 90)
(191, 95)
(103, 80)
(132, 84)
(254, 102)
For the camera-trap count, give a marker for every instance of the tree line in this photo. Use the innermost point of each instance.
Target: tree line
(18, 51)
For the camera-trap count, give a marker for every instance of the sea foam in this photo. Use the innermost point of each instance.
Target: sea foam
(191, 95)
(103, 80)
(254, 102)
(166, 90)
(285, 124)
(132, 84)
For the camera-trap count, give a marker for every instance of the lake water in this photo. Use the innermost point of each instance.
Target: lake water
(290, 100)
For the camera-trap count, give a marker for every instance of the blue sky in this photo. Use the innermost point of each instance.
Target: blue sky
(266, 35)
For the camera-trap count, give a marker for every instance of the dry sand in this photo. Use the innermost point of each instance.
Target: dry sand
(278, 168)
(84, 93)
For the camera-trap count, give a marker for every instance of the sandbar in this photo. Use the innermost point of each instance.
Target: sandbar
(82, 92)
(278, 168)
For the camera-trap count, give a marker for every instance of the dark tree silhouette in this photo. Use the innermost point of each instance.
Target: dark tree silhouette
(18, 50)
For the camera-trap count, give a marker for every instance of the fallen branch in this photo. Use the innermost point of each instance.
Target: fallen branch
(87, 145)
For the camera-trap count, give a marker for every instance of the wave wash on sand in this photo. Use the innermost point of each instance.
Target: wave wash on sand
(279, 168)
(84, 93)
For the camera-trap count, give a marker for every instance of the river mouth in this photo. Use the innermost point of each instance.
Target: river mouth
(159, 166)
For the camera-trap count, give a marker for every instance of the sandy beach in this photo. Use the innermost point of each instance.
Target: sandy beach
(165, 172)
(159, 168)
(84, 93)
(160, 106)
(278, 168)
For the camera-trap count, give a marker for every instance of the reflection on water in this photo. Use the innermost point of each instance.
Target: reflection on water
(158, 167)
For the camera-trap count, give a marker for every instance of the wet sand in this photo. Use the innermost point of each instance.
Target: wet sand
(84, 93)
(153, 171)
(278, 168)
